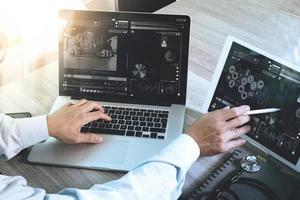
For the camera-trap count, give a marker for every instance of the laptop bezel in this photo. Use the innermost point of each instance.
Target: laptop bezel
(214, 83)
(83, 14)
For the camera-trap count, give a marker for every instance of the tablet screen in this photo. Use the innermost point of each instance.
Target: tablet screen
(249, 78)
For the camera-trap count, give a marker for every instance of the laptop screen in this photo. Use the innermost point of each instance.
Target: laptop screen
(124, 57)
(256, 80)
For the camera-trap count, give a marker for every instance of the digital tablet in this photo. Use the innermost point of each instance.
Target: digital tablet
(246, 75)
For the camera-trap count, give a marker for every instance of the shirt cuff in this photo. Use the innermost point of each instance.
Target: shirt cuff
(186, 149)
(33, 130)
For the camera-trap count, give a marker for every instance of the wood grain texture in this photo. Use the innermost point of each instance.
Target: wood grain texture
(273, 25)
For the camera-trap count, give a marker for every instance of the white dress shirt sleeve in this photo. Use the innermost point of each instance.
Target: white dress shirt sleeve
(159, 177)
(18, 134)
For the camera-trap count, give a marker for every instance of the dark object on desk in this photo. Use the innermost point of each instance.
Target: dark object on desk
(142, 5)
(19, 115)
(229, 182)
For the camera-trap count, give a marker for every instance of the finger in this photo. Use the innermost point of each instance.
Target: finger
(92, 116)
(67, 104)
(234, 144)
(234, 112)
(89, 138)
(80, 103)
(237, 133)
(91, 105)
(238, 121)
(98, 106)
(226, 108)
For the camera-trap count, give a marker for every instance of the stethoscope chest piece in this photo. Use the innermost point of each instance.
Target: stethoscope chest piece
(250, 163)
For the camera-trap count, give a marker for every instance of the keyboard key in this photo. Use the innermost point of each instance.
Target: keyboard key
(156, 119)
(121, 122)
(135, 123)
(153, 115)
(139, 114)
(143, 123)
(158, 130)
(95, 125)
(138, 128)
(132, 113)
(146, 136)
(145, 129)
(123, 127)
(84, 130)
(130, 127)
(116, 126)
(163, 115)
(149, 119)
(138, 134)
(147, 114)
(101, 125)
(120, 117)
(164, 120)
(125, 112)
(161, 137)
(142, 119)
(128, 122)
(153, 135)
(163, 125)
(165, 111)
(108, 126)
(157, 125)
(114, 116)
(114, 121)
(128, 117)
(130, 133)
(107, 131)
(150, 124)
(135, 118)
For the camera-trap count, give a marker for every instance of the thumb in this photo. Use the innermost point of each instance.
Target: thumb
(90, 138)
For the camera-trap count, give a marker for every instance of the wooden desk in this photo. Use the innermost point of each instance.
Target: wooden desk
(273, 25)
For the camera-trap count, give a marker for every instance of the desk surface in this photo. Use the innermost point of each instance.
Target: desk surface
(273, 25)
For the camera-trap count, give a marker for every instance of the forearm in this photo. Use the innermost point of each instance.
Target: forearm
(17, 134)
(160, 177)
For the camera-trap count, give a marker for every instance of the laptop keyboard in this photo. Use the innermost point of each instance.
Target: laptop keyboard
(133, 122)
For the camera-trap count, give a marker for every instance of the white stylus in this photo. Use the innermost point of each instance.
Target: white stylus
(262, 111)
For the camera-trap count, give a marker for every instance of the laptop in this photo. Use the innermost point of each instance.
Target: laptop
(248, 75)
(136, 66)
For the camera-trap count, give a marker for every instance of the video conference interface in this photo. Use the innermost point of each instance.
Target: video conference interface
(249, 78)
(123, 58)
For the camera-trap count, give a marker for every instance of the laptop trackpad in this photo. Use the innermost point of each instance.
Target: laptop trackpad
(110, 151)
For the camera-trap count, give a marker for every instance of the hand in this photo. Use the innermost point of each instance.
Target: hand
(65, 124)
(220, 131)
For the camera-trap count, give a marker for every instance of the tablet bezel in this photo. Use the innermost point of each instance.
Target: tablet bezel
(216, 76)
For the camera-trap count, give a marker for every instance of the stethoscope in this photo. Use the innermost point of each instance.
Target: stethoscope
(249, 164)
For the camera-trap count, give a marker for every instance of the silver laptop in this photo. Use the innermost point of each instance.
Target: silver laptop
(136, 66)
(248, 75)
